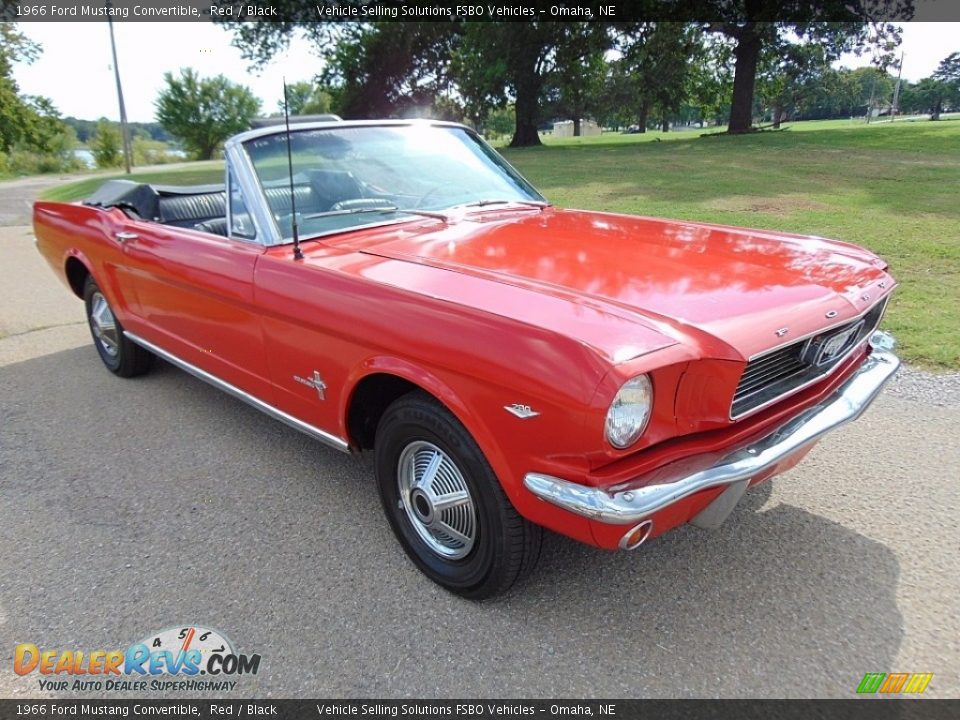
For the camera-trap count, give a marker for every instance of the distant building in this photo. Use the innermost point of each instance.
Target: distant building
(565, 128)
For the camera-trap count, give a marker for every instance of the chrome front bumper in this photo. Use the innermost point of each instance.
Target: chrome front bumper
(735, 470)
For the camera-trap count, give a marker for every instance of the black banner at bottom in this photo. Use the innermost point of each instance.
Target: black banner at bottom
(854, 709)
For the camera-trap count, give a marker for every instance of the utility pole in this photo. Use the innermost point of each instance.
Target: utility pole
(123, 110)
(896, 90)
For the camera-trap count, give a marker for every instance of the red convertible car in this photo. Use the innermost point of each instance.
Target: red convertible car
(397, 287)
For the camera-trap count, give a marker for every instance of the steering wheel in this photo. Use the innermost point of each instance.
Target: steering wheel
(361, 204)
(430, 191)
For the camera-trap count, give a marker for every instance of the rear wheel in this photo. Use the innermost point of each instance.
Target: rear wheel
(445, 504)
(121, 356)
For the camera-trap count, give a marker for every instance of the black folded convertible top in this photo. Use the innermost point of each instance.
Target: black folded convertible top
(141, 198)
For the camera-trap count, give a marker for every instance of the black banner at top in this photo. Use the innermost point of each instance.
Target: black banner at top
(300, 11)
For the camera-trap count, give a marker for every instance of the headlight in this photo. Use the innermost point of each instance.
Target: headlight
(629, 412)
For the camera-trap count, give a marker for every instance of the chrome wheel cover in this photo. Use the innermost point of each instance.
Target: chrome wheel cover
(103, 324)
(437, 500)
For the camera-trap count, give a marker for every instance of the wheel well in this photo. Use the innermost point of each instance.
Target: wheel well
(76, 275)
(372, 396)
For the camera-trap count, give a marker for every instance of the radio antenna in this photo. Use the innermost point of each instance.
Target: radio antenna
(297, 254)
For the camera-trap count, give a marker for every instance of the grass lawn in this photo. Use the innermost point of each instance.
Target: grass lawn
(890, 187)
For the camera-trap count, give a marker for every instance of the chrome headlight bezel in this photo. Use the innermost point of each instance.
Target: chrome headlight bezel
(629, 412)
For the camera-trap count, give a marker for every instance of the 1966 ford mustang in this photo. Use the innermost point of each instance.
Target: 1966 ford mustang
(513, 366)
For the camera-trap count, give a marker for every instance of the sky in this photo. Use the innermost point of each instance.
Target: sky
(81, 83)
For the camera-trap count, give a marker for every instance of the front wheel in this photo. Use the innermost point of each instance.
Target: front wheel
(121, 356)
(445, 504)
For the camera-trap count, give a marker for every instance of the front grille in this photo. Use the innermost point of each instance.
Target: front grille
(786, 370)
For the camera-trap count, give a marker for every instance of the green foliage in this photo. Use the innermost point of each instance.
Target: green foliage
(745, 23)
(558, 69)
(580, 69)
(203, 112)
(106, 144)
(151, 152)
(654, 73)
(500, 122)
(307, 98)
(33, 139)
(388, 69)
(787, 79)
(86, 128)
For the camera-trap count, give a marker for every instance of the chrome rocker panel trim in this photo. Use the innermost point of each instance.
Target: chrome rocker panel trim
(277, 414)
(634, 504)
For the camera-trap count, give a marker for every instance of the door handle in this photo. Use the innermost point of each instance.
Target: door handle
(123, 236)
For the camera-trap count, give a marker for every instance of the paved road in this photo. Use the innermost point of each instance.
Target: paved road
(130, 506)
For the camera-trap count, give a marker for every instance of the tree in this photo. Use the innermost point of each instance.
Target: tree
(948, 74)
(521, 62)
(389, 69)
(948, 70)
(16, 116)
(31, 130)
(746, 23)
(654, 72)
(580, 70)
(711, 78)
(106, 144)
(306, 98)
(788, 78)
(930, 94)
(203, 113)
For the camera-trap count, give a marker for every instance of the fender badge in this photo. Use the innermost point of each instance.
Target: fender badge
(781, 332)
(524, 412)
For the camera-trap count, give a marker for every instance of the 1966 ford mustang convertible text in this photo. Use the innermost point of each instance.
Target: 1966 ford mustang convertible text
(512, 366)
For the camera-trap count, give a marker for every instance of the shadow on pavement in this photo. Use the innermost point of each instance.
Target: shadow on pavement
(131, 506)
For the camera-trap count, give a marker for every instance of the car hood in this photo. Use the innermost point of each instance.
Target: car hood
(750, 289)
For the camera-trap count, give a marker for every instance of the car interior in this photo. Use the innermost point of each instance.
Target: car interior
(204, 207)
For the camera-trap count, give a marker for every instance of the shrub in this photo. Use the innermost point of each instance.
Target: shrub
(106, 144)
(151, 152)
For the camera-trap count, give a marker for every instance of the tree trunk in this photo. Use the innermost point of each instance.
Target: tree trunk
(744, 79)
(665, 124)
(777, 115)
(527, 111)
(642, 118)
(935, 115)
(576, 127)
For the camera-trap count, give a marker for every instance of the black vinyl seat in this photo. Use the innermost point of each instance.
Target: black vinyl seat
(333, 186)
(217, 226)
(187, 210)
(279, 199)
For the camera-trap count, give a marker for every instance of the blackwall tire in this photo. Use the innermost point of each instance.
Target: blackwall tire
(120, 355)
(446, 506)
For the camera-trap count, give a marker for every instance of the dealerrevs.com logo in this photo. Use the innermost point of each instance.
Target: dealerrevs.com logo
(197, 658)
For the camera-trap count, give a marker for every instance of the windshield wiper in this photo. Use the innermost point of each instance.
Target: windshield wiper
(382, 209)
(484, 203)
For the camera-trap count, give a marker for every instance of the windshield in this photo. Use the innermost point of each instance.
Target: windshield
(346, 177)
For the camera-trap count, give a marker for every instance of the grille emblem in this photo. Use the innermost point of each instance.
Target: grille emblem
(826, 348)
(781, 332)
